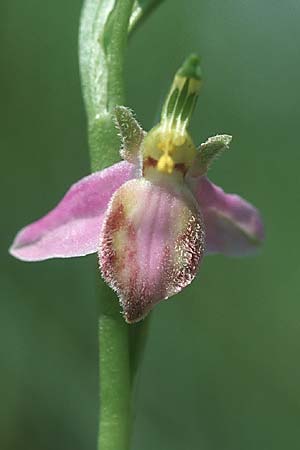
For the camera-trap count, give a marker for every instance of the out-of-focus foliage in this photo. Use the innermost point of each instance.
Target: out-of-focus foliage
(222, 366)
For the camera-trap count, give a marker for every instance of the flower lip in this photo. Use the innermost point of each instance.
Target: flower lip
(149, 254)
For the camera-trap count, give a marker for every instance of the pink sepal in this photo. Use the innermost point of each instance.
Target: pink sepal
(232, 225)
(73, 227)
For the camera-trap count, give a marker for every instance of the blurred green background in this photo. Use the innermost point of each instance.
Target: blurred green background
(222, 366)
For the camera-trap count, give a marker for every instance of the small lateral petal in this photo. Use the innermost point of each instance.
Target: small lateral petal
(131, 134)
(208, 152)
(233, 226)
(73, 227)
(151, 244)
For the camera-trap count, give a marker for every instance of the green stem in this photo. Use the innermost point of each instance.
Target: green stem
(137, 340)
(114, 371)
(115, 416)
(102, 45)
(103, 39)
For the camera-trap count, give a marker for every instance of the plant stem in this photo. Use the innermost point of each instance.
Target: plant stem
(114, 386)
(137, 340)
(103, 39)
(114, 371)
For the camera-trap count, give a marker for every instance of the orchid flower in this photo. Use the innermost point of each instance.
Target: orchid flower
(152, 216)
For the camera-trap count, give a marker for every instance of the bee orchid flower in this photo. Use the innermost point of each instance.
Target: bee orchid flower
(152, 216)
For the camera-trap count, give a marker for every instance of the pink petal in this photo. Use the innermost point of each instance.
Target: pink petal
(151, 245)
(232, 225)
(73, 227)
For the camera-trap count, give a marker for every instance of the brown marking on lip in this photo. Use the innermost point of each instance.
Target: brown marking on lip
(108, 257)
(130, 248)
(116, 218)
